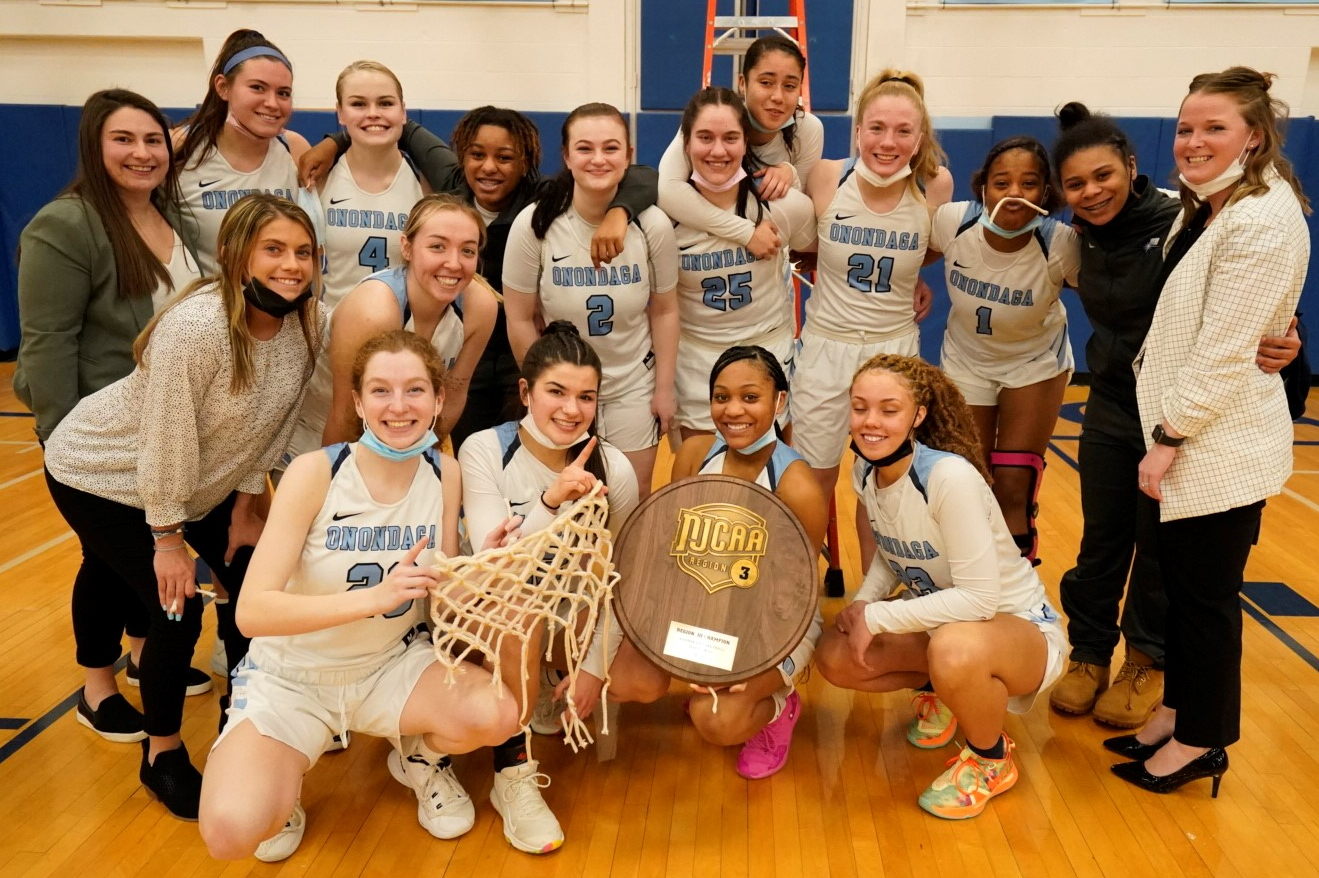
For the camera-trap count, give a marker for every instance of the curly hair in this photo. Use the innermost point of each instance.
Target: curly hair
(948, 425)
(525, 135)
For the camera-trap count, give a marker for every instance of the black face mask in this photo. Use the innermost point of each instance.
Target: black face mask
(904, 450)
(263, 298)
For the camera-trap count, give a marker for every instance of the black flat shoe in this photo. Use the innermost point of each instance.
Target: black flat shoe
(1211, 763)
(173, 780)
(1128, 747)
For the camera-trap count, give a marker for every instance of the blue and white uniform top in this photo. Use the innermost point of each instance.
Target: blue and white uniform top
(768, 478)
(779, 460)
(500, 474)
(944, 547)
(362, 229)
(867, 266)
(687, 206)
(213, 186)
(608, 305)
(354, 541)
(1005, 307)
(727, 296)
(447, 339)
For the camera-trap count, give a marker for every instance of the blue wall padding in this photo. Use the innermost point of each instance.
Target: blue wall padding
(44, 140)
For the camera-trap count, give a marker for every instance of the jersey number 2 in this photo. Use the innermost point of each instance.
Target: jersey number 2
(599, 314)
(862, 265)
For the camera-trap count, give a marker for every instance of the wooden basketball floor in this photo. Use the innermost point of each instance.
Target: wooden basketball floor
(670, 804)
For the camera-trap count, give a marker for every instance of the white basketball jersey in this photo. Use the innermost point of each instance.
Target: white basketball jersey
(868, 264)
(211, 188)
(608, 305)
(363, 230)
(447, 341)
(727, 296)
(942, 541)
(354, 542)
(1005, 307)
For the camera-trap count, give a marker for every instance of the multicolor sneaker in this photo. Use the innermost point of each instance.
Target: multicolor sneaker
(934, 725)
(443, 807)
(282, 844)
(969, 783)
(529, 824)
(767, 751)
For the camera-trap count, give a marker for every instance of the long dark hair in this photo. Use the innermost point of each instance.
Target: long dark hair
(138, 269)
(557, 194)
(759, 49)
(205, 125)
(755, 353)
(718, 96)
(562, 343)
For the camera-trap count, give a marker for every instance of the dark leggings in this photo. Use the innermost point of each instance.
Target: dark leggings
(1118, 520)
(104, 610)
(118, 537)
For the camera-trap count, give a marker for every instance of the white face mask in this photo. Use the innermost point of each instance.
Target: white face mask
(1231, 174)
(528, 423)
(878, 180)
(732, 181)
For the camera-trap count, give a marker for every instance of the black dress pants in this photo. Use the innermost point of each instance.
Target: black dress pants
(1204, 561)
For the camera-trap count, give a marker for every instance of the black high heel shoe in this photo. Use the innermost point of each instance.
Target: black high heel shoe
(1128, 747)
(1211, 763)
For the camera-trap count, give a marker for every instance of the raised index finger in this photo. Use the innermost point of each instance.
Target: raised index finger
(586, 452)
(410, 559)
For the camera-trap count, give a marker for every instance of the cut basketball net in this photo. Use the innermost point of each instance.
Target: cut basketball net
(557, 577)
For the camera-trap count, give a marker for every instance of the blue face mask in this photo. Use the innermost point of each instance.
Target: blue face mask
(372, 441)
(792, 120)
(987, 219)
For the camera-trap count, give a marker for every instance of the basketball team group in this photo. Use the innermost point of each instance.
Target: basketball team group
(211, 308)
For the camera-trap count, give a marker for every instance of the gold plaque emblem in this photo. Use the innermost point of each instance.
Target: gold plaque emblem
(720, 545)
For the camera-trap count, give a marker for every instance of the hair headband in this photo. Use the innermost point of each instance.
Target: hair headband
(255, 52)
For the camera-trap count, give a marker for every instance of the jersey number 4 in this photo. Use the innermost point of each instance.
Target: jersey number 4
(727, 294)
(374, 254)
(860, 267)
(369, 575)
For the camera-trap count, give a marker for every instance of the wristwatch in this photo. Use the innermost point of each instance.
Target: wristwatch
(1162, 438)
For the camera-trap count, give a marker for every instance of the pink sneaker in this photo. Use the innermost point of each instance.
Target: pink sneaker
(767, 752)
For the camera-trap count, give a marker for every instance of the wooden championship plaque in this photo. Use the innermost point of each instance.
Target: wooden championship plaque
(717, 579)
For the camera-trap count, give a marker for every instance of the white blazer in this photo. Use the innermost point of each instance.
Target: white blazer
(1240, 281)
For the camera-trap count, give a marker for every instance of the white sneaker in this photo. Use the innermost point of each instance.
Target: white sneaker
(545, 716)
(219, 663)
(282, 844)
(529, 824)
(443, 807)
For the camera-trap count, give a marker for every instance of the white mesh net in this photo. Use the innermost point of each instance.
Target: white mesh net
(560, 577)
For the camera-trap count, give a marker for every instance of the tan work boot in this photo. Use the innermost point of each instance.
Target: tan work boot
(1137, 690)
(1080, 686)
